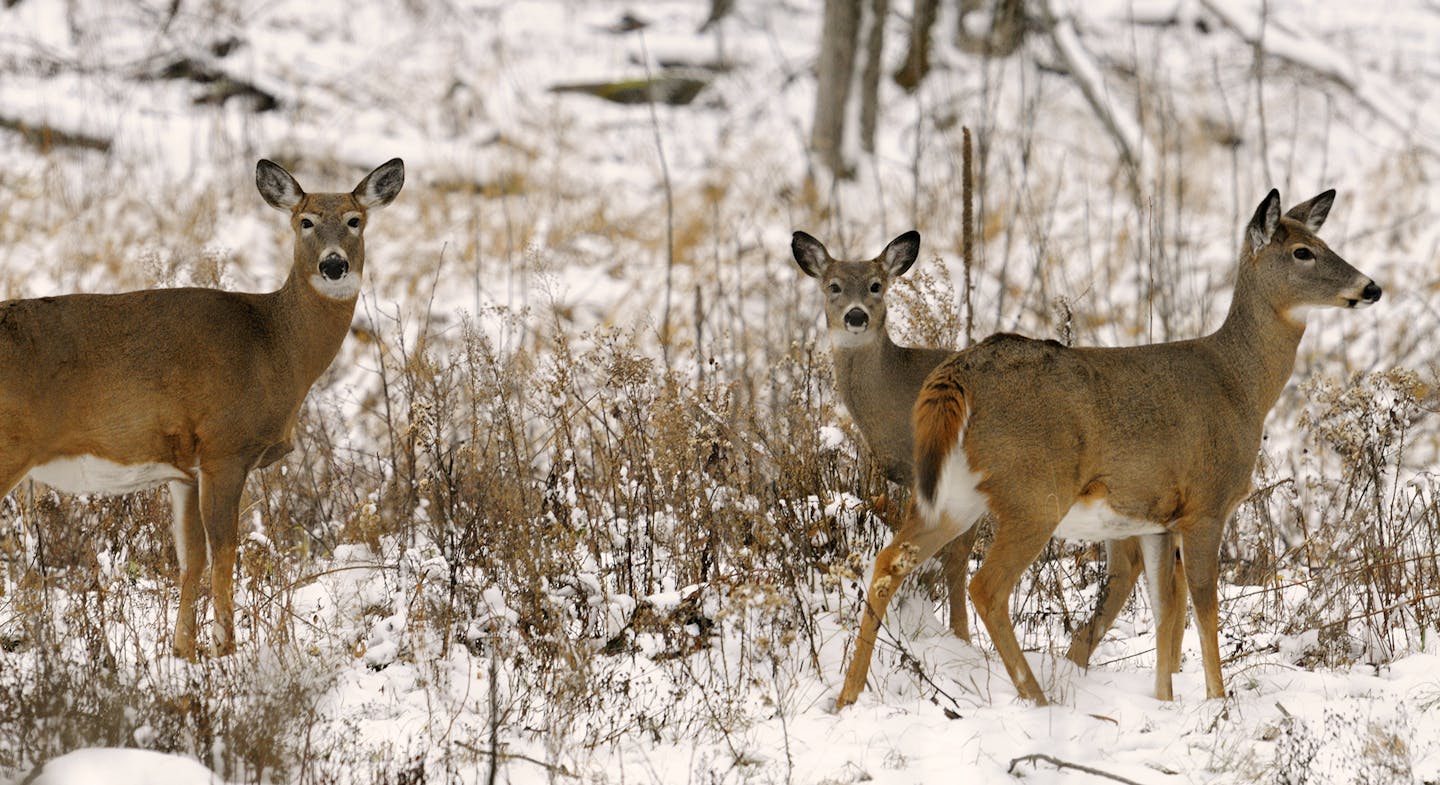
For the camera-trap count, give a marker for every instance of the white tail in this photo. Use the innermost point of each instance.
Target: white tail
(190, 387)
(1153, 441)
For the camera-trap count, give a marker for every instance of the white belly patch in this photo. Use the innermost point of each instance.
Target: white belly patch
(89, 474)
(1096, 520)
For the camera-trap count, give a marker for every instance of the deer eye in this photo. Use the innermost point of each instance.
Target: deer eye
(834, 288)
(306, 223)
(1303, 254)
(354, 223)
(874, 287)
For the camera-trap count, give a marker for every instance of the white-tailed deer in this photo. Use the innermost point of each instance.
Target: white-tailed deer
(1153, 441)
(113, 393)
(879, 381)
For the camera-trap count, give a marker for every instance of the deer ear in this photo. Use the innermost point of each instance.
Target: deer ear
(1313, 212)
(276, 186)
(901, 253)
(1263, 223)
(810, 254)
(380, 187)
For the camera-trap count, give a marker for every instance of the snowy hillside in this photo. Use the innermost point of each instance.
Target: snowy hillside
(577, 500)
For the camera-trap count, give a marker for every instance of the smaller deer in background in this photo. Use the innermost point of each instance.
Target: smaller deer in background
(1154, 441)
(879, 381)
(194, 388)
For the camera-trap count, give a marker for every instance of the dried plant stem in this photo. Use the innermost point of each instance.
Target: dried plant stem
(967, 231)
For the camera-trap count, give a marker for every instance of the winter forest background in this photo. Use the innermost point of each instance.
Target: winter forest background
(577, 502)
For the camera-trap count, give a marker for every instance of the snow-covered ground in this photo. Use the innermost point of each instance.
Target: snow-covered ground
(529, 213)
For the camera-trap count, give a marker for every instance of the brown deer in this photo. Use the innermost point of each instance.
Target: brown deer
(879, 380)
(194, 388)
(1154, 441)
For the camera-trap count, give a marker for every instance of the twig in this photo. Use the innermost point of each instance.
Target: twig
(669, 207)
(494, 750)
(553, 768)
(47, 136)
(1271, 40)
(1060, 764)
(1085, 73)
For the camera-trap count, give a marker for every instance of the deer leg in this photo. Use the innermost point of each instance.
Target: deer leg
(11, 473)
(1122, 570)
(220, 489)
(1200, 550)
(1159, 550)
(1012, 551)
(912, 545)
(956, 559)
(190, 552)
(1180, 597)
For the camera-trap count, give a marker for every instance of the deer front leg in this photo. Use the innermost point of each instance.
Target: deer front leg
(189, 535)
(1200, 551)
(220, 488)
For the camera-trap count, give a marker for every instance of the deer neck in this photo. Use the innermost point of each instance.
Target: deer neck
(311, 326)
(857, 367)
(1257, 346)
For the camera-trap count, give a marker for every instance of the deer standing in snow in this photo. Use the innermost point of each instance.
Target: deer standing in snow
(879, 380)
(190, 387)
(1154, 441)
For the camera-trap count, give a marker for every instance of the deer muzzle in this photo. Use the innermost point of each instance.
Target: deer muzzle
(334, 267)
(856, 320)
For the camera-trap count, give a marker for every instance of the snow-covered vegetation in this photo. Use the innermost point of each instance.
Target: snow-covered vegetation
(577, 502)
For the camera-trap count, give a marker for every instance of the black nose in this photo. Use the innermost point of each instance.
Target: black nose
(1371, 292)
(857, 318)
(334, 267)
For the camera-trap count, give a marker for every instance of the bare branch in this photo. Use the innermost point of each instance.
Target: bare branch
(1060, 764)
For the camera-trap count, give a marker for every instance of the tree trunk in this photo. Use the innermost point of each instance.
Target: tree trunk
(870, 76)
(1008, 26)
(836, 69)
(917, 57)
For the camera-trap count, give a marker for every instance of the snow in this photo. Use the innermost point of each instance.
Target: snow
(460, 90)
(97, 766)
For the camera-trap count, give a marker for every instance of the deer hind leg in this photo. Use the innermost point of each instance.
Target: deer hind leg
(1180, 597)
(1122, 570)
(12, 471)
(1014, 549)
(220, 489)
(911, 546)
(190, 552)
(955, 562)
(1200, 552)
(1168, 603)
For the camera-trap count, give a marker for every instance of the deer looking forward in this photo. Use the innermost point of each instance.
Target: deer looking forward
(1154, 441)
(194, 388)
(879, 381)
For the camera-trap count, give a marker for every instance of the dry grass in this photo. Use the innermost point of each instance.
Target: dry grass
(543, 451)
